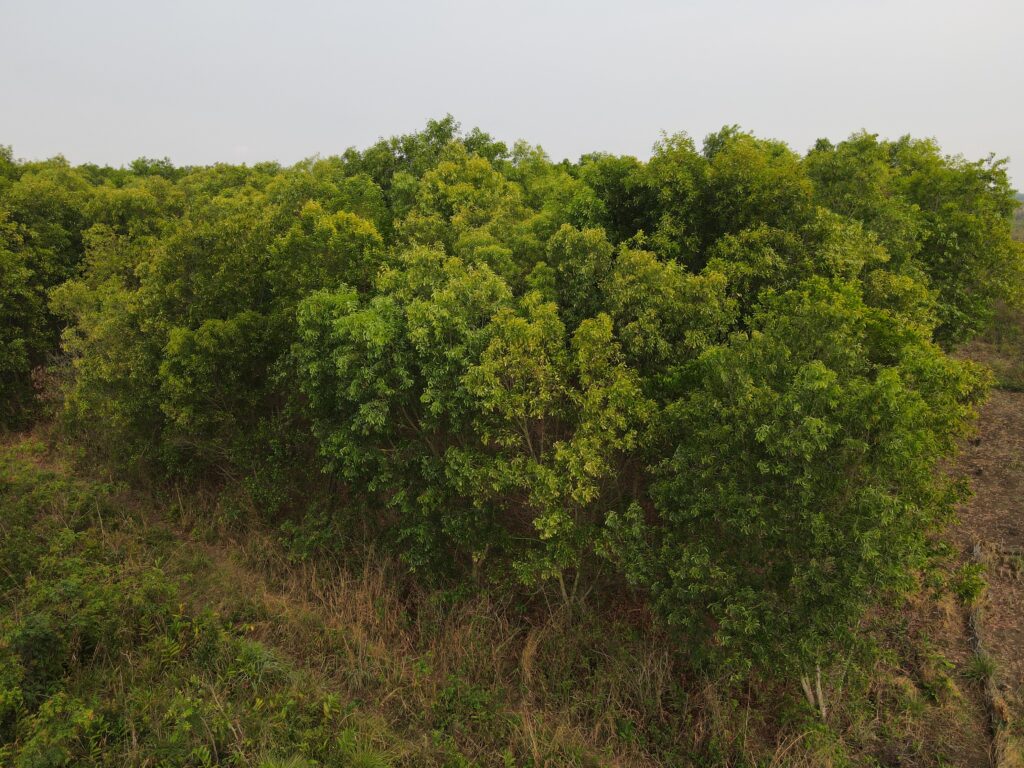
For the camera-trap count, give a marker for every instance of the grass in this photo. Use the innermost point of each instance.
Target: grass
(981, 668)
(135, 632)
(103, 663)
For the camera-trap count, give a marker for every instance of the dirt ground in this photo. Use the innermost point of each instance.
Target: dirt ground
(995, 462)
(993, 519)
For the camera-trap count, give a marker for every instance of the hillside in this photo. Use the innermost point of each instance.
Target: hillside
(175, 640)
(157, 639)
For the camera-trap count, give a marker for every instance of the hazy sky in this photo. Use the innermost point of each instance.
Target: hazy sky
(208, 80)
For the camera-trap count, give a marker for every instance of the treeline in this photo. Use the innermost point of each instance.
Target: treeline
(719, 379)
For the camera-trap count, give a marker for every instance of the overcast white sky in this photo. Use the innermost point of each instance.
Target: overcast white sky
(205, 80)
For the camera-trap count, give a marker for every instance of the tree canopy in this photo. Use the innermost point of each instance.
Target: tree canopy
(720, 376)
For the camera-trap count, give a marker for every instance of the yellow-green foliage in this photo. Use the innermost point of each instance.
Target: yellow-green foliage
(717, 381)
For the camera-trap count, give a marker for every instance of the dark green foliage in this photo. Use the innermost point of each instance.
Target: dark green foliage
(23, 335)
(801, 481)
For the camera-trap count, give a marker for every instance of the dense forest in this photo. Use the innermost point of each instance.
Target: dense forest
(716, 392)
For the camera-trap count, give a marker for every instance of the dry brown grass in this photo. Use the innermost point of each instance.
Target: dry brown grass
(477, 675)
(992, 528)
(557, 689)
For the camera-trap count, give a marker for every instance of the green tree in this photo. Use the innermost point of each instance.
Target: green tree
(801, 483)
(23, 337)
(940, 216)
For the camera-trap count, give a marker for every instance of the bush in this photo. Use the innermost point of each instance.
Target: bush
(721, 376)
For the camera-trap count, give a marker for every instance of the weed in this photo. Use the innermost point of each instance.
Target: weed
(969, 584)
(980, 668)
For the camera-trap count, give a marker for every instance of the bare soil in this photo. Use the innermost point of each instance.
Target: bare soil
(993, 519)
